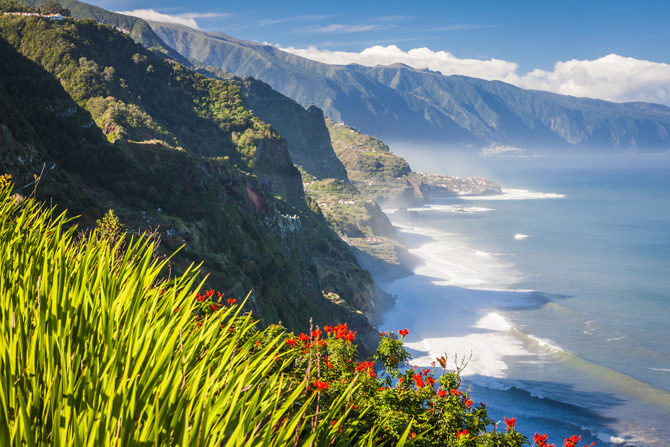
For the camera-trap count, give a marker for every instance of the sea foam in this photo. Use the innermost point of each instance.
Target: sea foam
(445, 305)
(518, 194)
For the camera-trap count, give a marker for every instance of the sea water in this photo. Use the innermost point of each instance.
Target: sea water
(556, 293)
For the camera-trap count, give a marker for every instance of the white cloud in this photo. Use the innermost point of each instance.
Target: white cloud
(150, 14)
(612, 77)
(441, 61)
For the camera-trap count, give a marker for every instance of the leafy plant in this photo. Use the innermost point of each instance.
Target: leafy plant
(109, 226)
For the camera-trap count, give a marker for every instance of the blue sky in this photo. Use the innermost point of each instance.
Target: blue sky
(519, 36)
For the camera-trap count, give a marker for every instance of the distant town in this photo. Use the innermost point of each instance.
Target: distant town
(36, 14)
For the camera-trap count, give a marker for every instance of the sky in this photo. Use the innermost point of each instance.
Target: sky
(608, 49)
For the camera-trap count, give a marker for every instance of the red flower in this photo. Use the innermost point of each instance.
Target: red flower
(340, 330)
(403, 332)
(321, 385)
(572, 441)
(441, 393)
(349, 336)
(291, 342)
(510, 423)
(363, 366)
(430, 381)
(232, 301)
(418, 381)
(541, 440)
(303, 338)
(463, 432)
(316, 333)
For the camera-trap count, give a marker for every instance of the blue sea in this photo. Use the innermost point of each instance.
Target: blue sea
(557, 293)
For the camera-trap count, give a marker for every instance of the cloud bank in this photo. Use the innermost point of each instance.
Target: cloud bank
(612, 77)
(186, 19)
(155, 16)
(441, 61)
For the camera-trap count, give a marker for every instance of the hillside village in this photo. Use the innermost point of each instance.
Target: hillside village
(53, 16)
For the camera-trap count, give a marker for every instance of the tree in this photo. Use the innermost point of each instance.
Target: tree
(13, 6)
(52, 7)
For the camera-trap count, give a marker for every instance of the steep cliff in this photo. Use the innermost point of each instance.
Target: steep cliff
(175, 151)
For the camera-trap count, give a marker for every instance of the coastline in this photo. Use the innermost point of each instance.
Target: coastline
(458, 300)
(449, 307)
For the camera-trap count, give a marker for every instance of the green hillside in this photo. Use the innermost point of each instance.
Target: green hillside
(136, 28)
(172, 150)
(305, 130)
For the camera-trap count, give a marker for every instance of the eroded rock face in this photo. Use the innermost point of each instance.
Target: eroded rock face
(303, 129)
(276, 172)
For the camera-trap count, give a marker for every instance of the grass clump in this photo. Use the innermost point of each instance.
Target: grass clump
(97, 349)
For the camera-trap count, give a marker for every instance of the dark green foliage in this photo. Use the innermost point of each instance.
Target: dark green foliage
(52, 7)
(14, 6)
(170, 148)
(137, 28)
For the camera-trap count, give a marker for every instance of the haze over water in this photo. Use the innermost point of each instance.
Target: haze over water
(558, 288)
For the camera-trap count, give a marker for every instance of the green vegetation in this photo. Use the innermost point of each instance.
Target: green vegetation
(13, 6)
(99, 348)
(135, 27)
(177, 153)
(52, 7)
(374, 169)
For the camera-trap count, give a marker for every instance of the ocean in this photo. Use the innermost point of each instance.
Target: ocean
(556, 293)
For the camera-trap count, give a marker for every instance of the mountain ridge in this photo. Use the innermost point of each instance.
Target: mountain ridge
(400, 103)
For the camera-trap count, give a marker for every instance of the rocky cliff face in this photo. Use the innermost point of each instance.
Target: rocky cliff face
(304, 129)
